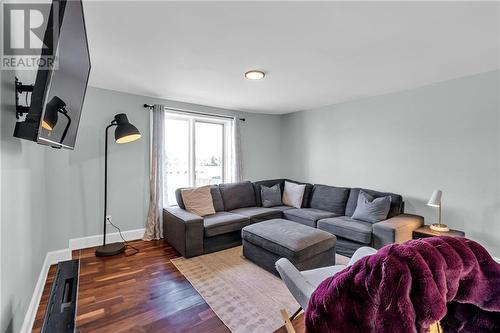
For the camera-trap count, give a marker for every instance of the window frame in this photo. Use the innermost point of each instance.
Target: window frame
(224, 153)
(227, 143)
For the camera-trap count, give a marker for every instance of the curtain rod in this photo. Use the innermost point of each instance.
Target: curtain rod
(149, 106)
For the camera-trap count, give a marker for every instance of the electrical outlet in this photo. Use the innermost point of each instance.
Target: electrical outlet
(108, 219)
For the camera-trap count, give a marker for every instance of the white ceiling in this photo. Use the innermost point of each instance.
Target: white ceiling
(315, 54)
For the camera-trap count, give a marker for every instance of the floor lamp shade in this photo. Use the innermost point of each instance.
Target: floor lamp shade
(124, 132)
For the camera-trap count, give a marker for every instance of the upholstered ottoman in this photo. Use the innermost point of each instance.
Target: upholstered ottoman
(306, 247)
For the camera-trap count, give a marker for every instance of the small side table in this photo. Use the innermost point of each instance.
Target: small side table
(426, 231)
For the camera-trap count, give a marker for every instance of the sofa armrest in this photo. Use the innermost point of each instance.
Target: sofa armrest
(184, 231)
(397, 229)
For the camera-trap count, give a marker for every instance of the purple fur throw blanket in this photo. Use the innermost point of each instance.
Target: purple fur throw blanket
(408, 287)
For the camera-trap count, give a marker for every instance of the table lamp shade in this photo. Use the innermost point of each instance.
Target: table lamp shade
(435, 200)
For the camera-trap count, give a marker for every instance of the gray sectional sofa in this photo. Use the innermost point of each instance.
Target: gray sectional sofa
(324, 207)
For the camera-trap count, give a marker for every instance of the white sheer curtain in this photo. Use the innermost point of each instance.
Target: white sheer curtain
(237, 156)
(154, 227)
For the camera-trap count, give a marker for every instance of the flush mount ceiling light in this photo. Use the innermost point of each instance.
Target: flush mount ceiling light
(255, 75)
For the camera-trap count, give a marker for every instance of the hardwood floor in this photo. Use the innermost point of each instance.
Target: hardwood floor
(138, 293)
(37, 325)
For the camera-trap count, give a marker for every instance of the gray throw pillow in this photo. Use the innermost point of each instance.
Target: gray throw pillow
(271, 196)
(370, 209)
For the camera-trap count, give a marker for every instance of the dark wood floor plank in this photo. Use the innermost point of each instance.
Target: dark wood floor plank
(142, 293)
(136, 293)
(44, 299)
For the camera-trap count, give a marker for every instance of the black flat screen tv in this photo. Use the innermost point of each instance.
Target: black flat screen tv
(59, 91)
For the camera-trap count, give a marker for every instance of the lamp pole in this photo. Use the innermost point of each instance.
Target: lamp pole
(65, 113)
(106, 180)
(440, 204)
(113, 248)
(125, 132)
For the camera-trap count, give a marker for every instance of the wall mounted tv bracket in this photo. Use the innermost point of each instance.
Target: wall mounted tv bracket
(23, 89)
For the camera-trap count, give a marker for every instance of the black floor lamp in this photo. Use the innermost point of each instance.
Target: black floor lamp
(125, 132)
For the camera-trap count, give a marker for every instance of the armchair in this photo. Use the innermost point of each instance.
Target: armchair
(302, 284)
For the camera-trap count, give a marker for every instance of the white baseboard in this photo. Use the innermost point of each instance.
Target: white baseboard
(51, 258)
(91, 241)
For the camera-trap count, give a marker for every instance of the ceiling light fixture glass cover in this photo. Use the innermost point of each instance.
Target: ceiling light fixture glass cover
(255, 75)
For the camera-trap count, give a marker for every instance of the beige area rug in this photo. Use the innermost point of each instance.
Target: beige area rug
(244, 296)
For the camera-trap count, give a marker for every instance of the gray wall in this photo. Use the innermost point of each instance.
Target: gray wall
(443, 136)
(24, 236)
(75, 177)
(23, 224)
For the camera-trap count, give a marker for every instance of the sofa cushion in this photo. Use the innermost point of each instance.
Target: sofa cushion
(288, 239)
(396, 201)
(267, 183)
(270, 196)
(223, 223)
(237, 195)
(282, 208)
(370, 209)
(271, 182)
(307, 192)
(329, 198)
(293, 194)
(198, 200)
(258, 214)
(307, 216)
(216, 198)
(346, 227)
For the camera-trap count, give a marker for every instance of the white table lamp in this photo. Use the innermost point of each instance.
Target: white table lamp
(435, 201)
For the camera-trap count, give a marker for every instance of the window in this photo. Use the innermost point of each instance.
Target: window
(198, 152)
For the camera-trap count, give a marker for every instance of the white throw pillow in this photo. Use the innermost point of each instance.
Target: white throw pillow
(198, 200)
(293, 194)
